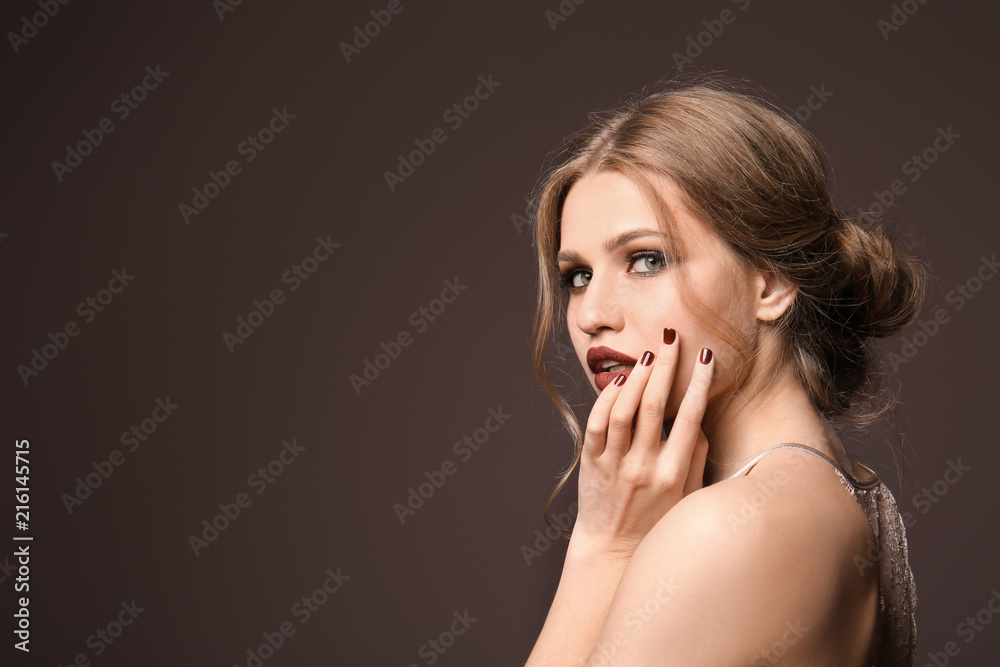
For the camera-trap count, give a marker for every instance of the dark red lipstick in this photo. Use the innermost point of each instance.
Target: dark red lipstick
(600, 358)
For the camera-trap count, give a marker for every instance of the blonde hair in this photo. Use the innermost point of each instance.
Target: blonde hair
(759, 180)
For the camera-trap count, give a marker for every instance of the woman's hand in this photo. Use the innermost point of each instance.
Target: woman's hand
(628, 481)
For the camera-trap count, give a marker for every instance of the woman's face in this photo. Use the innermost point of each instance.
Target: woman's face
(623, 289)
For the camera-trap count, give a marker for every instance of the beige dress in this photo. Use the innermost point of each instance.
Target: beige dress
(897, 630)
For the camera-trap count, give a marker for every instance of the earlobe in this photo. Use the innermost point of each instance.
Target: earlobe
(775, 296)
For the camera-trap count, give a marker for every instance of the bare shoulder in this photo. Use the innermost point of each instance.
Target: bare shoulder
(748, 566)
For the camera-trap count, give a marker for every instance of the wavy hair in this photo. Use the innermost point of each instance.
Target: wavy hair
(760, 181)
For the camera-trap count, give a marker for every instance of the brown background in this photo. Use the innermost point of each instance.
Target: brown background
(323, 175)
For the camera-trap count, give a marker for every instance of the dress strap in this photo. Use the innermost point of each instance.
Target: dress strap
(870, 482)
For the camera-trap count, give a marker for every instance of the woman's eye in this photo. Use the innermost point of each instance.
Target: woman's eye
(574, 279)
(648, 262)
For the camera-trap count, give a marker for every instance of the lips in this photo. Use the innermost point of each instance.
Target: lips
(607, 364)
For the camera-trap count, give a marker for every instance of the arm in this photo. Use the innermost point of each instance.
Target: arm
(709, 588)
(627, 482)
(589, 579)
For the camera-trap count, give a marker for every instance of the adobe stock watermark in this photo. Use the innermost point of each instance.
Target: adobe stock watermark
(455, 116)
(562, 12)
(766, 489)
(132, 438)
(697, 43)
(252, 146)
(104, 637)
(898, 17)
(303, 610)
(957, 298)
(604, 652)
(545, 539)
(7, 569)
(434, 648)
(223, 7)
(259, 481)
(364, 34)
(264, 308)
(122, 107)
(924, 501)
(930, 496)
(30, 25)
(915, 167)
(773, 654)
(968, 629)
(817, 98)
(420, 320)
(523, 221)
(464, 449)
(22, 617)
(88, 310)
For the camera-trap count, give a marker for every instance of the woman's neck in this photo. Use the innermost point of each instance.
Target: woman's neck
(756, 419)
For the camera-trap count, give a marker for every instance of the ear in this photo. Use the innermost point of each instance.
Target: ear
(774, 296)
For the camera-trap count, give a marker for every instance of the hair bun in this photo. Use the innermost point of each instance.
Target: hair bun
(883, 287)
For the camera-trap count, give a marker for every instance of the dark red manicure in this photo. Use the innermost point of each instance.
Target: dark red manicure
(669, 336)
(706, 355)
(647, 359)
(620, 380)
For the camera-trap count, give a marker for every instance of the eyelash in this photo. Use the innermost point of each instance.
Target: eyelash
(566, 277)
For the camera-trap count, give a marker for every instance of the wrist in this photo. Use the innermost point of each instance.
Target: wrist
(584, 546)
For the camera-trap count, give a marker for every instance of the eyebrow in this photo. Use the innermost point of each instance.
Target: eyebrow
(611, 245)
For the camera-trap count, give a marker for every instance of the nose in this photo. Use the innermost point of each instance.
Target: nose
(600, 306)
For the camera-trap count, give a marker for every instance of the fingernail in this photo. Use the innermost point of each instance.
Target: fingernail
(647, 359)
(669, 336)
(706, 355)
(620, 380)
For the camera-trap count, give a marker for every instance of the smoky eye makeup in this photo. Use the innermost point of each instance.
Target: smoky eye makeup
(640, 262)
(568, 278)
(654, 261)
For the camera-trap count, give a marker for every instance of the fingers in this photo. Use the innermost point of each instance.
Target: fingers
(649, 418)
(642, 401)
(686, 433)
(596, 435)
(623, 411)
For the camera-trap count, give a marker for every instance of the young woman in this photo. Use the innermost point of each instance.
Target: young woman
(725, 312)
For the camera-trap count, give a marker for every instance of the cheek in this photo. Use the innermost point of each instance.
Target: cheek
(726, 361)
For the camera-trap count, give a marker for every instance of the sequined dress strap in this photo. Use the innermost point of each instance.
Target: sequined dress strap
(897, 630)
(869, 483)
